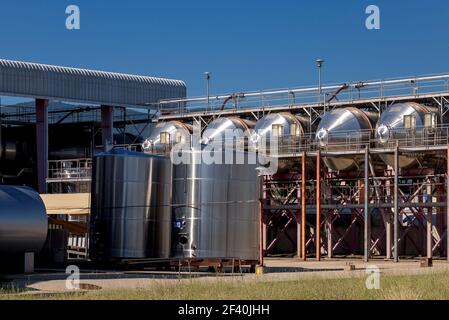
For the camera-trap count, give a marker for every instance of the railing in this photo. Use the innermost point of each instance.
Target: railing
(69, 170)
(414, 87)
(335, 142)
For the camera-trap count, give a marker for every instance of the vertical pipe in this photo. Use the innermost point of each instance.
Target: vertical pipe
(318, 206)
(298, 222)
(366, 237)
(387, 217)
(107, 126)
(303, 206)
(395, 199)
(329, 237)
(261, 235)
(42, 143)
(447, 207)
(429, 219)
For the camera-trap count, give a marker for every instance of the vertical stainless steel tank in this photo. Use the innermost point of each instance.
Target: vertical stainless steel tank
(23, 221)
(409, 124)
(345, 129)
(228, 132)
(131, 213)
(165, 135)
(216, 209)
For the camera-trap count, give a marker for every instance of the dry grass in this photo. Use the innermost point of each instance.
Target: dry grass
(433, 285)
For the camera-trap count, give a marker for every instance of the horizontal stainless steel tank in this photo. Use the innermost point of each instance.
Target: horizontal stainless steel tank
(408, 123)
(215, 209)
(228, 132)
(165, 135)
(345, 129)
(130, 209)
(23, 221)
(279, 133)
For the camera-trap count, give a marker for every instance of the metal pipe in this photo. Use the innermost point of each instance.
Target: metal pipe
(303, 206)
(366, 208)
(318, 207)
(395, 200)
(310, 89)
(429, 221)
(447, 207)
(261, 242)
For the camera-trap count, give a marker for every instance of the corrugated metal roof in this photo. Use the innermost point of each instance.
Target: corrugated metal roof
(83, 85)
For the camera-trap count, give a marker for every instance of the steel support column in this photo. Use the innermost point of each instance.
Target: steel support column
(303, 206)
(395, 203)
(42, 144)
(429, 212)
(107, 125)
(329, 237)
(367, 236)
(318, 207)
(447, 207)
(261, 234)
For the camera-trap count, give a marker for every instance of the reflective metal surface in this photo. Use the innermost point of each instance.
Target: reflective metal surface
(341, 127)
(167, 134)
(216, 209)
(23, 221)
(131, 214)
(390, 128)
(288, 126)
(228, 132)
(277, 131)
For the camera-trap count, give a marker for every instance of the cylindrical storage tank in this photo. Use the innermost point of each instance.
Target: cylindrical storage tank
(407, 123)
(167, 134)
(215, 208)
(345, 129)
(23, 221)
(279, 133)
(229, 132)
(284, 126)
(130, 210)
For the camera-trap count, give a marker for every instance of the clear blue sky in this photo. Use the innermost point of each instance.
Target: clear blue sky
(247, 45)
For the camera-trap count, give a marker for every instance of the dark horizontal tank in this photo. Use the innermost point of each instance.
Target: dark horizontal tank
(23, 221)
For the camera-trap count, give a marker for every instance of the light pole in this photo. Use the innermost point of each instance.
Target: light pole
(319, 63)
(208, 75)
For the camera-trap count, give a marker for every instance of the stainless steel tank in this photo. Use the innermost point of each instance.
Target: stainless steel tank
(228, 132)
(215, 209)
(131, 214)
(165, 135)
(408, 123)
(341, 129)
(279, 133)
(23, 221)
(283, 125)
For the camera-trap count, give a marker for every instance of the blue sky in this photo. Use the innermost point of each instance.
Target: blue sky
(247, 45)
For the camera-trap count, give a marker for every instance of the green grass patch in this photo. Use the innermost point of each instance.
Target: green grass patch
(433, 285)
